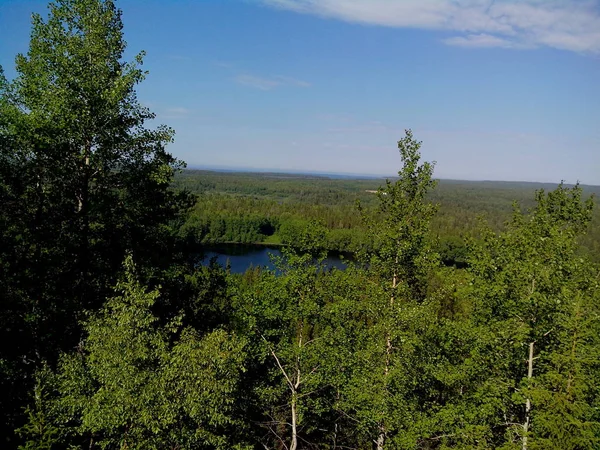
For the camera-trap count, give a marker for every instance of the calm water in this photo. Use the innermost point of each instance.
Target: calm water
(242, 256)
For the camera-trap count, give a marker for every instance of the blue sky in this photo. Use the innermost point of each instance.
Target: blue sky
(501, 90)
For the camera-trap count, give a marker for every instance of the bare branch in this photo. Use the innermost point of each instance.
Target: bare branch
(279, 363)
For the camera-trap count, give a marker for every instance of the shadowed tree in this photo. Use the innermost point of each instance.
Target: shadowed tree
(82, 180)
(133, 383)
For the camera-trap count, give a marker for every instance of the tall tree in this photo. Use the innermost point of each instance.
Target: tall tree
(286, 316)
(101, 176)
(83, 178)
(15, 336)
(400, 264)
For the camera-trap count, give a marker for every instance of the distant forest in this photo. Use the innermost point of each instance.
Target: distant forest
(446, 331)
(237, 207)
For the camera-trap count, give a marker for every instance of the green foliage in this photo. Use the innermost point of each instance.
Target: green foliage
(402, 251)
(378, 394)
(40, 430)
(92, 181)
(135, 384)
(498, 347)
(533, 292)
(233, 206)
(286, 318)
(82, 182)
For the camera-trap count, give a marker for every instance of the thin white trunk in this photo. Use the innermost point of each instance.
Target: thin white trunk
(294, 389)
(388, 355)
(294, 444)
(526, 425)
(381, 438)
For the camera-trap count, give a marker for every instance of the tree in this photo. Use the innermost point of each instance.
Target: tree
(535, 301)
(133, 383)
(400, 263)
(82, 181)
(99, 172)
(402, 253)
(14, 333)
(287, 318)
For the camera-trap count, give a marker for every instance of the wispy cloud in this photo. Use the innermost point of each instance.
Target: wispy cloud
(268, 83)
(572, 25)
(264, 84)
(292, 81)
(481, 40)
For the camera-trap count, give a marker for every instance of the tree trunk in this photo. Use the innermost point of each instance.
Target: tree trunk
(381, 438)
(388, 355)
(294, 388)
(528, 401)
(294, 444)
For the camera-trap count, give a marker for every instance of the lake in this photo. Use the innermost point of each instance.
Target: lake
(241, 256)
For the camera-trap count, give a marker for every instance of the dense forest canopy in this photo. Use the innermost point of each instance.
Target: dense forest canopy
(447, 331)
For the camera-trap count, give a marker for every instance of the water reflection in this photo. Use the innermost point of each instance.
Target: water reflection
(240, 257)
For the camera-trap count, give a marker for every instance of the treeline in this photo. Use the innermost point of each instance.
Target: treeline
(254, 211)
(309, 189)
(115, 337)
(220, 218)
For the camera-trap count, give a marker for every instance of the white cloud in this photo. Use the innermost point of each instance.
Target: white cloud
(291, 81)
(261, 83)
(563, 24)
(268, 83)
(479, 40)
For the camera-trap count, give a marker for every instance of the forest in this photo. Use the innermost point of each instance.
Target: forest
(467, 318)
(273, 208)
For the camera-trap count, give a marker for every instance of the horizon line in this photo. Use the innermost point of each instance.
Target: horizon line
(355, 175)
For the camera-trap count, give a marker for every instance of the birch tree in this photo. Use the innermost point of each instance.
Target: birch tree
(83, 180)
(95, 178)
(286, 316)
(536, 303)
(400, 264)
(133, 383)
